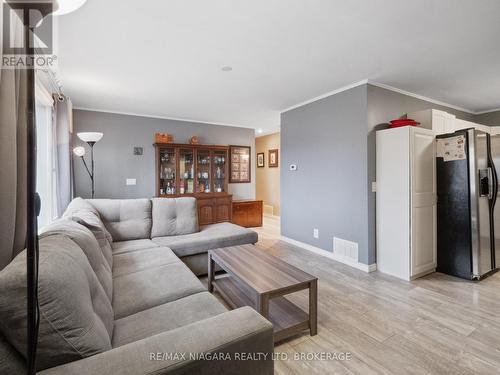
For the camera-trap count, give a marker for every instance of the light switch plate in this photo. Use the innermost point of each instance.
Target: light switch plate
(374, 187)
(131, 181)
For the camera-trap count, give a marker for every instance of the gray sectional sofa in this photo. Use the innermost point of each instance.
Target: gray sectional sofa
(118, 295)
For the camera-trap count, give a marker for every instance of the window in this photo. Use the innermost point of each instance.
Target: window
(45, 178)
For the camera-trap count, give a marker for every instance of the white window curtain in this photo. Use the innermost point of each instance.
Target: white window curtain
(63, 129)
(45, 179)
(54, 164)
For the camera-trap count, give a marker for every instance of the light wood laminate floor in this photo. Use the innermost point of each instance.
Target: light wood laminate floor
(434, 325)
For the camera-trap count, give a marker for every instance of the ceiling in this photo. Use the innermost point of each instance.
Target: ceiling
(164, 58)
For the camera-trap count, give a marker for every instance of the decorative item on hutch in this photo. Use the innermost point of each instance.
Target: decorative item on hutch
(163, 138)
(194, 140)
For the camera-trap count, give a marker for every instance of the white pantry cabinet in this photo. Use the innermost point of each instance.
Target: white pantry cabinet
(442, 122)
(439, 121)
(406, 202)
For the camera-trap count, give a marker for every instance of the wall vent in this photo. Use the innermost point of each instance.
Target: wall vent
(345, 249)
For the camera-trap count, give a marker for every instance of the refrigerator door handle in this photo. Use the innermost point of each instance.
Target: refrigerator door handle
(495, 185)
(490, 184)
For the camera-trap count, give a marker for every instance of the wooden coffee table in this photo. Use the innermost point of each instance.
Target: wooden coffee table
(255, 278)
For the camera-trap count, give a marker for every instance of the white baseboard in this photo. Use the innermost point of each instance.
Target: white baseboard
(344, 260)
(272, 216)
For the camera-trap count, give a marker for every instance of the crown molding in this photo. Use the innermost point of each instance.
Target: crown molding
(420, 97)
(312, 100)
(390, 88)
(326, 94)
(161, 117)
(488, 111)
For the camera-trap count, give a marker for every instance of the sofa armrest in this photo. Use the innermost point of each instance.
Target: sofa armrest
(229, 338)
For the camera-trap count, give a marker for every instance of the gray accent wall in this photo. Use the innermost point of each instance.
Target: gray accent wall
(490, 118)
(327, 141)
(332, 141)
(114, 157)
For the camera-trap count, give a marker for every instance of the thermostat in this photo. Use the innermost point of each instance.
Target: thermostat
(293, 167)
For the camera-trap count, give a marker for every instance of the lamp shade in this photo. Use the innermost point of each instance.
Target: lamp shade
(79, 151)
(67, 6)
(90, 136)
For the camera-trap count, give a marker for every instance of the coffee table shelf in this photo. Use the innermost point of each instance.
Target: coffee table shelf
(285, 316)
(256, 278)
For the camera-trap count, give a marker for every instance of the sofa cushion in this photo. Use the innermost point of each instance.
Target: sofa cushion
(76, 318)
(132, 245)
(11, 361)
(143, 290)
(77, 205)
(174, 216)
(84, 238)
(125, 219)
(165, 317)
(85, 214)
(140, 260)
(209, 237)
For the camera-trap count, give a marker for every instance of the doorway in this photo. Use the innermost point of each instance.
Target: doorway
(268, 173)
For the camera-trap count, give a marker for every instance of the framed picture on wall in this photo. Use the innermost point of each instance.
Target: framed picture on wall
(273, 158)
(239, 164)
(260, 160)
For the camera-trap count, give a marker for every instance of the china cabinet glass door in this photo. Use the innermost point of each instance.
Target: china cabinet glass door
(167, 171)
(219, 172)
(186, 171)
(203, 171)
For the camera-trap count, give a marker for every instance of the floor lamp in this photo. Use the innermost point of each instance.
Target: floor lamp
(91, 138)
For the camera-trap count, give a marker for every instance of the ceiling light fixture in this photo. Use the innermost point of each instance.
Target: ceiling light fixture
(67, 6)
(226, 68)
(259, 131)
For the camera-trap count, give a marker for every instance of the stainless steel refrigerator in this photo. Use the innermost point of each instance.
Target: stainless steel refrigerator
(467, 188)
(495, 154)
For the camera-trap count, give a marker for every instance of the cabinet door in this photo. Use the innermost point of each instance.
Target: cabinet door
(167, 172)
(438, 123)
(423, 201)
(449, 124)
(220, 171)
(205, 211)
(239, 214)
(442, 122)
(186, 171)
(223, 209)
(255, 214)
(204, 171)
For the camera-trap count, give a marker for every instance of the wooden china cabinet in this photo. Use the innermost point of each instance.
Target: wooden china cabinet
(200, 171)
